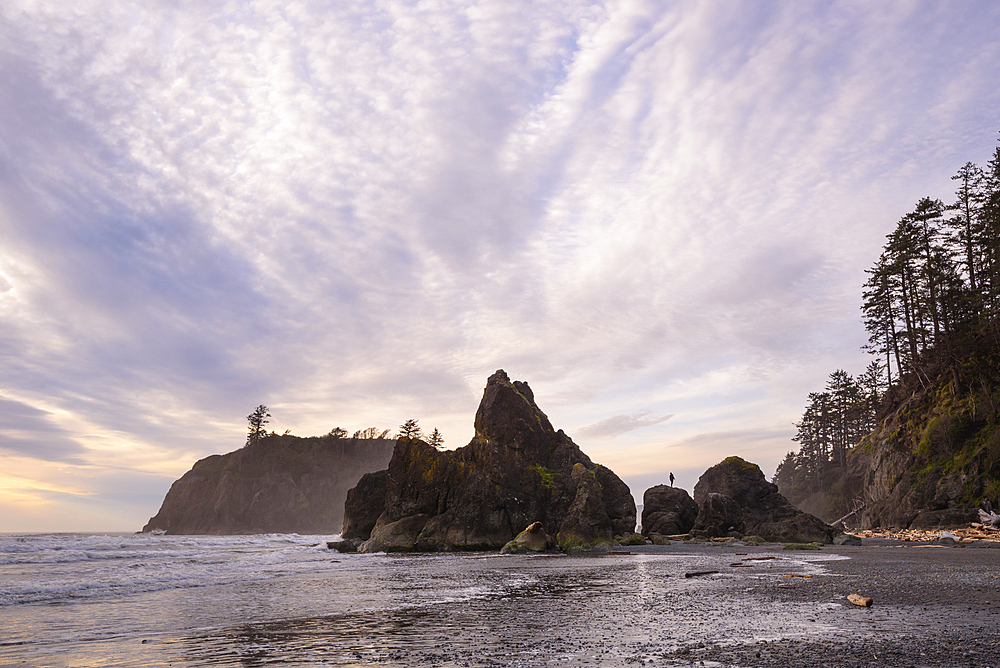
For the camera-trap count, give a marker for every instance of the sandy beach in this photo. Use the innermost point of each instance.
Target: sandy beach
(932, 606)
(644, 606)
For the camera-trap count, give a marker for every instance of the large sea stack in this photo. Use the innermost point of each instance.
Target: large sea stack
(734, 499)
(277, 484)
(516, 471)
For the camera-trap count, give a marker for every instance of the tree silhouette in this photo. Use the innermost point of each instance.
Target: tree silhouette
(258, 421)
(410, 429)
(436, 439)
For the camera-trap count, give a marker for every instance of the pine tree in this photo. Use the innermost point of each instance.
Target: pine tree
(409, 429)
(257, 423)
(436, 439)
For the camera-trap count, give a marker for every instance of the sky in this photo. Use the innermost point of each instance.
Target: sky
(658, 214)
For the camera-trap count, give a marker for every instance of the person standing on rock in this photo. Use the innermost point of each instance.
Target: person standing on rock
(671, 478)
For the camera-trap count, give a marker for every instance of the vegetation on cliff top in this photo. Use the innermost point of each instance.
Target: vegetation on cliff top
(932, 311)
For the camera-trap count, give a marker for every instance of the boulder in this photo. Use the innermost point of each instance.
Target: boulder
(847, 539)
(734, 499)
(516, 471)
(668, 511)
(532, 539)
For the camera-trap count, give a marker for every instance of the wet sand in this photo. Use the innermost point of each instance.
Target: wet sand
(933, 606)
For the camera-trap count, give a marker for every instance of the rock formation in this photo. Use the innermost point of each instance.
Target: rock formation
(532, 539)
(278, 484)
(667, 511)
(516, 471)
(734, 499)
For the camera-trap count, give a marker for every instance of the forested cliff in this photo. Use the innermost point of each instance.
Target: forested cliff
(914, 440)
(275, 484)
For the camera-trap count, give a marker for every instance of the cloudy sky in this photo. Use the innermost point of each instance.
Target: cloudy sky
(658, 214)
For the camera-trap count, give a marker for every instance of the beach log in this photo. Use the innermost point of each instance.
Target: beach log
(857, 599)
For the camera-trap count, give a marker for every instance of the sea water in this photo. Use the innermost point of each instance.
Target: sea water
(144, 600)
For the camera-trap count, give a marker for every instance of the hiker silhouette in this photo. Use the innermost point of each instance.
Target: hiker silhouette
(671, 478)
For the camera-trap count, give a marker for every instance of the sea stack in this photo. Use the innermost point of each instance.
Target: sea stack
(516, 471)
(734, 499)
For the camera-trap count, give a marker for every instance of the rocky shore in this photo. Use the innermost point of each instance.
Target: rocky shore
(741, 606)
(933, 605)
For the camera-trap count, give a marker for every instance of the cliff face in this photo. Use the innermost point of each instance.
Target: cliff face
(931, 462)
(933, 458)
(279, 484)
(517, 470)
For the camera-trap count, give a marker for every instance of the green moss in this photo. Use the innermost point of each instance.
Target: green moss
(742, 463)
(569, 542)
(803, 546)
(548, 476)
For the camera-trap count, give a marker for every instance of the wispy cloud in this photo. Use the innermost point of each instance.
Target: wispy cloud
(621, 424)
(356, 211)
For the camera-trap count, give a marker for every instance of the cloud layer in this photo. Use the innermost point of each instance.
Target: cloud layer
(355, 212)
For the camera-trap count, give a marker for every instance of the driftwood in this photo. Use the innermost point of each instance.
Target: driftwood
(989, 519)
(695, 574)
(857, 599)
(858, 507)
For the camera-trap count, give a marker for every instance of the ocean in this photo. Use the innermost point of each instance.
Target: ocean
(88, 600)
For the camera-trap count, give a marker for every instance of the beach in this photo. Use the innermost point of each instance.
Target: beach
(290, 601)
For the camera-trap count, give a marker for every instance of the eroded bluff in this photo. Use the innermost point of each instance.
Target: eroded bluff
(279, 484)
(516, 471)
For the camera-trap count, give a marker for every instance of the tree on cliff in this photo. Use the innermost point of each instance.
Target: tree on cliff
(436, 439)
(410, 429)
(258, 421)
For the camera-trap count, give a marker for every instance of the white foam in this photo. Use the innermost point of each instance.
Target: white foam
(52, 567)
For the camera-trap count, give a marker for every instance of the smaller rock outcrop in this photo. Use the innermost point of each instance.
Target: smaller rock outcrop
(667, 511)
(365, 503)
(734, 499)
(532, 539)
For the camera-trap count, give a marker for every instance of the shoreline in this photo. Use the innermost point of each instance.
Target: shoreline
(933, 605)
(721, 604)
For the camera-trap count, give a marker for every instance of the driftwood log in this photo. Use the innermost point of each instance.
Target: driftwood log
(857, 599)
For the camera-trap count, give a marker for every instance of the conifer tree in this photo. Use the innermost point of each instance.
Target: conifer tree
(410, 429)
(258, 423)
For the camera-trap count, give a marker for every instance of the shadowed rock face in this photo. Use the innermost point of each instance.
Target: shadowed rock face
(280, 484)
(734, 499)
(667, 511)
(517, 470)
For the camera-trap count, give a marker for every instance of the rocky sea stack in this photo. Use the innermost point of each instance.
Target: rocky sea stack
(516, 471)
(734, 499)
(667, 511)
(278, 484)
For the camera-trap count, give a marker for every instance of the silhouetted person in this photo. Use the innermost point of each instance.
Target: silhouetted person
(671, 478)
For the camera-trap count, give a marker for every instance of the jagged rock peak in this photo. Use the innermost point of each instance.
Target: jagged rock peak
(508, 414)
